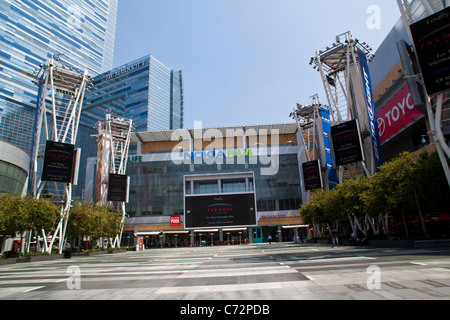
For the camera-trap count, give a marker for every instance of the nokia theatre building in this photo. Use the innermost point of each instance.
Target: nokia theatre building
(215, 186)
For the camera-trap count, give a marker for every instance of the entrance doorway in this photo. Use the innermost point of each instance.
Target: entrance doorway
(257, 235)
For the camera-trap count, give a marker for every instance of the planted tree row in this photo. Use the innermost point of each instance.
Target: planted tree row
(408, 187)
(29, 217)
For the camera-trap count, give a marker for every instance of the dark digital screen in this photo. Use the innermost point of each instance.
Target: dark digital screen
(117, 190)
(220, 211)
(312, 175)
(347, 143)
(58, 162)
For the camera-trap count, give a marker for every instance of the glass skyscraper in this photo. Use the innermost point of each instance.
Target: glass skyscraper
(83, 32)
(145, 91)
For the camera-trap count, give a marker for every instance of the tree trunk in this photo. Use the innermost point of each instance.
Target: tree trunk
(422, 222)
(404, 223)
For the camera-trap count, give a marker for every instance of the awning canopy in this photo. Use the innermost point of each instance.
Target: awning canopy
(295, 226)
(147, 233)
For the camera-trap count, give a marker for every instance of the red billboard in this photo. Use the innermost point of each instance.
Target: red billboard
(396, 114)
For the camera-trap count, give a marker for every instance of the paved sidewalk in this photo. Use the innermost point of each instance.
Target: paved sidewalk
(247, 272)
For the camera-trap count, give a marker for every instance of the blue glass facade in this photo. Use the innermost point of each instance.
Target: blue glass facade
(30, 32)
(163, 180)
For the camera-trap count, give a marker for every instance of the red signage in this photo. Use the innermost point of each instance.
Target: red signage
(397, 114)
(175, 221)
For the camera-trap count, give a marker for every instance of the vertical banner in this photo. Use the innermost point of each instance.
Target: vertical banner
(98, 179)
(370, 104)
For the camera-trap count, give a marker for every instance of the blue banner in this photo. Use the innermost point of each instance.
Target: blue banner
(326, 127)
(370, 104)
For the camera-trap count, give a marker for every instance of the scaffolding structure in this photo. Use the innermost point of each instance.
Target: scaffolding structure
(113, 138)
(305, 117)
(314, 124)
(58, 111)
(339, 66)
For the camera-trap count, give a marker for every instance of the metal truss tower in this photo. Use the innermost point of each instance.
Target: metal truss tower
(340, 69)
(314, 125)
(58, 111)
(305, 117)
(113, 138)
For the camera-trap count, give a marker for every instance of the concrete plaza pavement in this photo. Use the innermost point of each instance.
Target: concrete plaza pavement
(280, 271)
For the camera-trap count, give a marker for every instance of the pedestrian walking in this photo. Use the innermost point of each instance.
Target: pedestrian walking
(334, 238)
(270, 239)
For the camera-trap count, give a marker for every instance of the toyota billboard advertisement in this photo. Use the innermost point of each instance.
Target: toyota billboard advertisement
(214, 211)
(397, 114)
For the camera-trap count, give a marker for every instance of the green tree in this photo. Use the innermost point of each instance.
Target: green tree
(91, 220)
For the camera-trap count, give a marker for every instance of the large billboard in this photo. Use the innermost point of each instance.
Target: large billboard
(431, 38)
(213, 211)
(58, 162)
(397, 114)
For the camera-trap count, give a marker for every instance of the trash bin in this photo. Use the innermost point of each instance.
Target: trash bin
(67, 254)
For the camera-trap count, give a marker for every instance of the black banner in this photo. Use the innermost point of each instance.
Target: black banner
(58, 162)
(117, 188)
(432, 41)
(312, 175)
(347, 143)
(220, 211)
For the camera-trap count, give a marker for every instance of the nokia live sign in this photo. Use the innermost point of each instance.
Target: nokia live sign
(220, 211)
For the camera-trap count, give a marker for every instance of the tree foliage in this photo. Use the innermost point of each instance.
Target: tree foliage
(91, 220)
(406, 187)
(19, 214)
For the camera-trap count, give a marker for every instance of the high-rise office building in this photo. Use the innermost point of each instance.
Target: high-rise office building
(145, 91)
(82, 32)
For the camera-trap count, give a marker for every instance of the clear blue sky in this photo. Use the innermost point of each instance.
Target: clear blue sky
(244, 61)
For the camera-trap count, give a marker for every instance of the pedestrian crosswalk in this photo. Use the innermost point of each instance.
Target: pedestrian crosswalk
(255, 272)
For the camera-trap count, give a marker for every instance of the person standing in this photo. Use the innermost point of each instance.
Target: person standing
(270, 239)
(334, 238)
